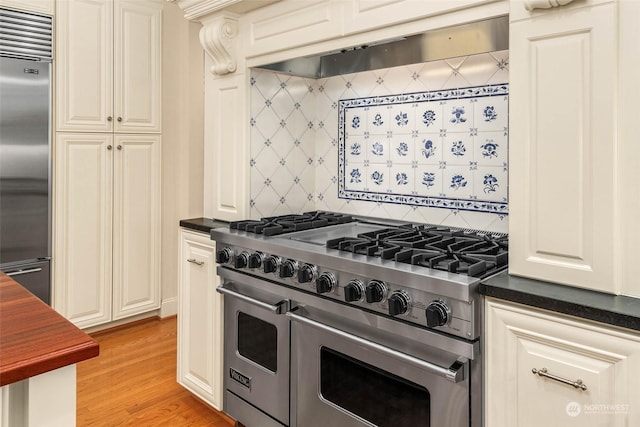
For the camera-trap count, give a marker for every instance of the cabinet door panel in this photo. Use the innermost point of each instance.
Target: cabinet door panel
(136, 231)
(362, 15)
(199, 319)
(562, 155)
(137, 64)
(82, 248)
(84, 67)
(226, 178)
(519, 340)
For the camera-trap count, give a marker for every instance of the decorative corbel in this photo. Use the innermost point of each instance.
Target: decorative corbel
(544, 4)
(217, 38)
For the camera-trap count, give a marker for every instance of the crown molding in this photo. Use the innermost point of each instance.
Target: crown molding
(196, 10)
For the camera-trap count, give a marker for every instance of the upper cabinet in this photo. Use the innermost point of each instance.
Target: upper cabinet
(296, 24)
(108, 73)
(368, 14)
(38, 6)
(564, 144)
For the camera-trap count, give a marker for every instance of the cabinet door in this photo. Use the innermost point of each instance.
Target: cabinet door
(136, 224)
(226, 183)
(82, 236)
(137, 65)
(563, 147)
(84, 65)
(199, 319)
(518, 340)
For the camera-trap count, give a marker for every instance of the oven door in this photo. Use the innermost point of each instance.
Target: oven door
(256, 356)
(342, 379)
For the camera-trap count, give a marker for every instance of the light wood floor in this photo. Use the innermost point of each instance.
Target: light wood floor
(133, 381)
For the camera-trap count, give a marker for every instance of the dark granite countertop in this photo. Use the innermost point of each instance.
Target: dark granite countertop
(617, 310)
(203, 225)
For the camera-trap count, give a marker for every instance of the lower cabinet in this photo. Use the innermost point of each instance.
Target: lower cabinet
(199, 319)
(106, 251)
(544, 369)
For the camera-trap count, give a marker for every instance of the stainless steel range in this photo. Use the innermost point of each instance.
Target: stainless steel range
(336, 320)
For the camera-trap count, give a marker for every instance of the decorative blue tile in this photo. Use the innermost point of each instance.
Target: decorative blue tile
(445, 148)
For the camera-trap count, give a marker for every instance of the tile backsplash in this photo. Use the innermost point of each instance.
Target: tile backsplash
(304, 145)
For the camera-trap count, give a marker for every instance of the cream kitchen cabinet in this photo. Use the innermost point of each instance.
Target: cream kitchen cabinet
(563, 144)
(228, 174)
(46, 7)
(199, 319)
(107, 226)
(108, 65)
(365, 15)
(606, 361)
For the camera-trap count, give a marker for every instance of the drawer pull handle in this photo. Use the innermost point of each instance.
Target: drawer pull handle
(544, 373)
(195, 261)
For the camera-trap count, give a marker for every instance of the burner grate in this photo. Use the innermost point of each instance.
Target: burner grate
(273, 226)
(456, 251)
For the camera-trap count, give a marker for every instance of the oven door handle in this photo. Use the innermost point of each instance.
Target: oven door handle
(277, 308)
(454, 373)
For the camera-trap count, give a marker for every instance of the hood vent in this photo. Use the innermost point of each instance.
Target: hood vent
(25, 35)
(478, 37)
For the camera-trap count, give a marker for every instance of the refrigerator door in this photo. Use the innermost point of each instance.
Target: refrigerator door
(34, 277)
(24, 160)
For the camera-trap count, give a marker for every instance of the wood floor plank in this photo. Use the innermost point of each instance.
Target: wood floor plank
(133, 382)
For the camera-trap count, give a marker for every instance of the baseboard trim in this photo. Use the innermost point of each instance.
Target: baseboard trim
(169, 307)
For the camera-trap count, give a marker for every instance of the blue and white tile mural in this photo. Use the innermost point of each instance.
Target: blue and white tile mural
(444, 149)
(422, 142)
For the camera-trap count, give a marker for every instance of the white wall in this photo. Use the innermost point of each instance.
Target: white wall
(182, 145)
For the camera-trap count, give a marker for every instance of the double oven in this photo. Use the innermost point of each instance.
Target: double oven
(320, 333)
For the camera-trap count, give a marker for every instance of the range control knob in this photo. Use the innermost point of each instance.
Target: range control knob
(242, 260)
(375, 291)
(354, 290)
(256, 259)
(224, 256)
(398, 303)
(288, 268)
(437, 314)
(307, 273)
(271, 264)
(325, 283)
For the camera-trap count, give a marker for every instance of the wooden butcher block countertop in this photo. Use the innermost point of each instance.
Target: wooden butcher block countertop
(34, 338)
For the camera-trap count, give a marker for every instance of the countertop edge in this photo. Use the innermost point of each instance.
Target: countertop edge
(615, 310)
(203, 225)
(25, 319)
(41, 365)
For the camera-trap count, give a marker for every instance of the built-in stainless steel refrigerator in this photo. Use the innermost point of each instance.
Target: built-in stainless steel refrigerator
(25, 149)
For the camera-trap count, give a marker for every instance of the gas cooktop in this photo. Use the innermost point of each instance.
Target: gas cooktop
(468, 252)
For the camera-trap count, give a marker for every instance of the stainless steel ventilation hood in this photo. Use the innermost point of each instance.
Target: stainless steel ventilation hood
(461, 40)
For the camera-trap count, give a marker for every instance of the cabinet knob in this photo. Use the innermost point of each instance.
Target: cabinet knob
(109, 118)
(119, 119)
(109, 147)
(195, 261)
(119, 147)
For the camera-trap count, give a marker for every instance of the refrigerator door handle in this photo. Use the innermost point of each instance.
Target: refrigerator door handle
(25, 271)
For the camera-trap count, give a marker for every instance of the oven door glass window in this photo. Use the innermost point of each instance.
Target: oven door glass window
(377, 396)
(258, 341)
